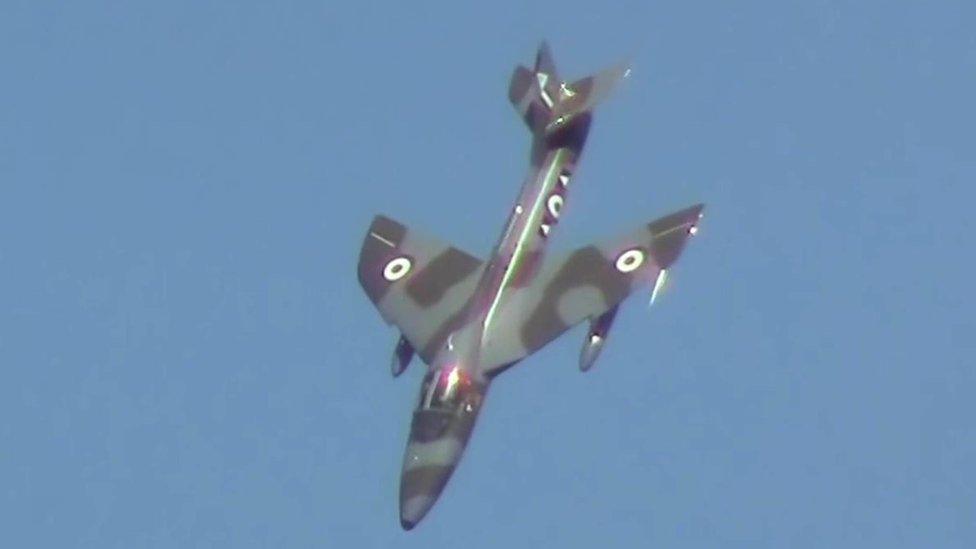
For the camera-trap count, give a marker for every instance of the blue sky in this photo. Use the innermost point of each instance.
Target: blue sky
(187, 359)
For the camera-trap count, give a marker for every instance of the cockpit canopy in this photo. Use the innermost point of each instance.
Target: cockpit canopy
(447, 389)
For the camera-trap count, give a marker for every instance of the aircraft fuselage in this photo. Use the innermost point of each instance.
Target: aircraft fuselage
(438, 438)
(470, 318)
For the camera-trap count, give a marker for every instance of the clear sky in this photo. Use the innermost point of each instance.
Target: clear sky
(187, 360)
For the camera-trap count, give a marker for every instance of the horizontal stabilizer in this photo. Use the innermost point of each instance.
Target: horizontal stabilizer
(590, 91)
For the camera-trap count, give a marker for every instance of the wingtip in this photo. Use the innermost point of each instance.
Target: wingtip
(671, 233)
(699, 210)
(620, 71)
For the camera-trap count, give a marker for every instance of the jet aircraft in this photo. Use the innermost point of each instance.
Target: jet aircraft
(470, 319)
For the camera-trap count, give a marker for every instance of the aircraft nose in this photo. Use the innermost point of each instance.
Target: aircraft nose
(420, 487)
(436, 443)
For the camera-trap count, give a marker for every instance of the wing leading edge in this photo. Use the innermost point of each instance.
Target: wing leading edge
(586, 283)
(418, 283)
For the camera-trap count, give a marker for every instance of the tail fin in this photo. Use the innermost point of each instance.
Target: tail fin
(546, 102)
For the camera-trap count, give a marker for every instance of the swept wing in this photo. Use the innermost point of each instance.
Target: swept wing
(583, 284)
(418, 283)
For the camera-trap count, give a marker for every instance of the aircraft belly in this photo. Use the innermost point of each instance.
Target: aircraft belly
(470, 319)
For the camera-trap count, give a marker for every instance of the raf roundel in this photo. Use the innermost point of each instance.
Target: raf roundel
(397, 268)
(555, 205)
(630, 260)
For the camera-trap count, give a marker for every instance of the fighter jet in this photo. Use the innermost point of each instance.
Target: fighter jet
(470, 319)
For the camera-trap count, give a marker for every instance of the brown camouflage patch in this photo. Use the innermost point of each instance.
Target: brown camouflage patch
(429, 285)
(428, 480)
(429, 425)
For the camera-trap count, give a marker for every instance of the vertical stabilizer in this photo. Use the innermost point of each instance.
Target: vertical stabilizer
(546, 102)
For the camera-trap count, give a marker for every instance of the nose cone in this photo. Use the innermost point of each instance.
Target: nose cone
(437, 440)
(419, 489)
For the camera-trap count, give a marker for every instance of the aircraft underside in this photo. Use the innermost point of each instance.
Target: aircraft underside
(469, 319)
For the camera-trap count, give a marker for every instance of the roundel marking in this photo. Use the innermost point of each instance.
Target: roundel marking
(630, 260)
(397, 268)
(555, 204)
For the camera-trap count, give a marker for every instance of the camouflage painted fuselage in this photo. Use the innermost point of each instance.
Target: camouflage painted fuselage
(470, 319)
(438, 438)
